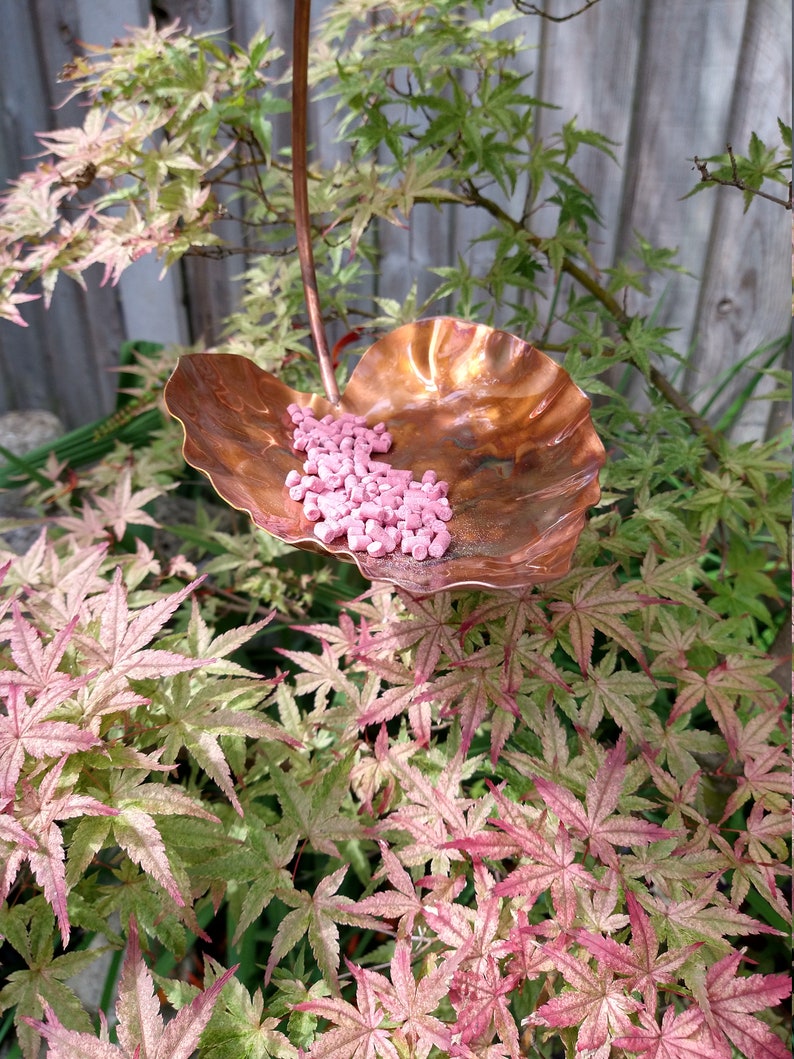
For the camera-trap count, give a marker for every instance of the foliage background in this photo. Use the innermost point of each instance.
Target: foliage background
(663, 79)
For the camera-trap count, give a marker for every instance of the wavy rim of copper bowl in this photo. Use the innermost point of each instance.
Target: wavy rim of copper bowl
(506, 418)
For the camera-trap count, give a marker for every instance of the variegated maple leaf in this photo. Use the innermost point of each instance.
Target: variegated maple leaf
(597, 822)
(142, 1032)
(679, 1036)
(723, 687)
(134, 804)
(121, 642)
(472, 689)
(36, 813)
(551, 866)
(598, 1005)
(597, 603)
(639, 960)
(360, 1030)
(728, 1002)
(402, 902)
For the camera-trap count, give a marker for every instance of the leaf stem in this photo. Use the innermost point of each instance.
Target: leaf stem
(300, 192)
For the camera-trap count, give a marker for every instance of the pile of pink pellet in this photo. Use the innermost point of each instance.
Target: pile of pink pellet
(345, 492)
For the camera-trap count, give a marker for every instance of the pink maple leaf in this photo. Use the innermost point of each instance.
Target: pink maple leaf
(727, 1002)
(36, 813)
(125, 507)
(598, 1005)
(402, 901)
(472, 688)
(597, 603)
(432, 814)
(359, 1031)
(469, 931)
(481, 998)
(680, 1036)
(411, 1003)
(120, 645)
(24, 729)
(428, 627)
(552, 866)
(596, 822)
(639, 961)
(142, 1033)
(37, 663)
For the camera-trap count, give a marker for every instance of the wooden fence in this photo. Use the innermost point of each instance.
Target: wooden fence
(664, 79)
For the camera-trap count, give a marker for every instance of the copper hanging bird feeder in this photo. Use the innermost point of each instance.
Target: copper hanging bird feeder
(500, 421)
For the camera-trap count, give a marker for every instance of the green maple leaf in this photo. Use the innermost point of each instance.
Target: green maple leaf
(196, 720)
(597, 603)
(623, 695)
(256, 866)
(29, 928)
(239, 1029)
(315, 813)
(317, 915)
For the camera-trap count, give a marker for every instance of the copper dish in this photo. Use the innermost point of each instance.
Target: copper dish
(500, 421)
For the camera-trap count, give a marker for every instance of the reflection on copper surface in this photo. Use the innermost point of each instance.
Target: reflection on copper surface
(500, 421)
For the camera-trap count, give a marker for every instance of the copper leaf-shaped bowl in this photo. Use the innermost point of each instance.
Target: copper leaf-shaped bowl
(501, 422)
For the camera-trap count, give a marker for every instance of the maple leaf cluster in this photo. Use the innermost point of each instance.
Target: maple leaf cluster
(607, 891)
(527, 811)
(81, 782)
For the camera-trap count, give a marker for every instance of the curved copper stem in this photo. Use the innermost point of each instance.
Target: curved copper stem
(300, 193)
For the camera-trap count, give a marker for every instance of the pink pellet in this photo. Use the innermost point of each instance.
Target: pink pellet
(439, 545)
(369, 509)
(358, 542)
(325, 532)
(346, 492)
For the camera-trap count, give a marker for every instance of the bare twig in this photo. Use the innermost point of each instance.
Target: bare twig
(533, 9)
(218, 253)
(707, 177)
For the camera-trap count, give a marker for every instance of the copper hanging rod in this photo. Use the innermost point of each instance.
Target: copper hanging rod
(300, 193)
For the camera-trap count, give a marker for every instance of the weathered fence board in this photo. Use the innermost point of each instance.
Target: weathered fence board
(664, 79)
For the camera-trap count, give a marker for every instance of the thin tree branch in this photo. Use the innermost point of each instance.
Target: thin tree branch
(533, 9)
(707, 177)
(660, 381)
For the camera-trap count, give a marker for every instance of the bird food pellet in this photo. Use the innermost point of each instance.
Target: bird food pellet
(346, 493)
